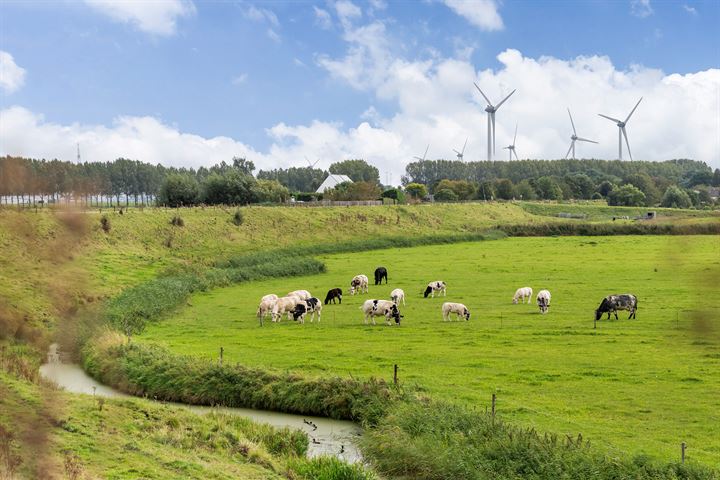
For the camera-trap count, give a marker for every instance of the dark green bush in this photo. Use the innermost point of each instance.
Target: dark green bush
(105, 223)
(329, 468)
(177, 221)
(238, 218)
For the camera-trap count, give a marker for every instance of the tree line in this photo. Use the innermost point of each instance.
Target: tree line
(673, 183)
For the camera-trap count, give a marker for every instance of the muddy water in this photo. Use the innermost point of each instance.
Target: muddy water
(327, 436)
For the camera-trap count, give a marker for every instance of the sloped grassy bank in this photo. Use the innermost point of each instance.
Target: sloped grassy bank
(407, 436)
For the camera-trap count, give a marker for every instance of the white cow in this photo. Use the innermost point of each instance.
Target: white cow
(266, 305)
(381, 308)
(359, 283)
(397, 295)
(284, 305)
(521, 294)
(301, 294)
(457, 308)
(436, 286)
(543, 301)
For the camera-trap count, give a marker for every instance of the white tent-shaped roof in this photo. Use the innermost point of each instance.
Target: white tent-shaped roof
(332, 181)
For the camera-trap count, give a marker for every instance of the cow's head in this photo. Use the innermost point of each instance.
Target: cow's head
(354, 285)
(298, 311)
(598, 314)
(466, 314)
(394, 313)
(543, 304)
(427, 291)
(515, 300)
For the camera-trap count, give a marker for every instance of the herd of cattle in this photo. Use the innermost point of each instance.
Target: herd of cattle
(300, 303)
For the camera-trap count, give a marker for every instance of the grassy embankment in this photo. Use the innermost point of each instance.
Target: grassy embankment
(57, 263)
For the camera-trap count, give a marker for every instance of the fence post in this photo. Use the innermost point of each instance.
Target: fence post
(500, 322)
(493, 406)
(395, 375)
(683, 446)
(221, 355)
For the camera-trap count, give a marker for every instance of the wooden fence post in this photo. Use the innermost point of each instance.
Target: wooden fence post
(221, 355)
(683, 446)
(493, 406)
(395, 375)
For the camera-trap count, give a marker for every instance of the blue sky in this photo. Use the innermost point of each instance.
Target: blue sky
(277, 81)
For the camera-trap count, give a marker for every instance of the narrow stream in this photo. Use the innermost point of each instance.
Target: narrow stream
(327, 436)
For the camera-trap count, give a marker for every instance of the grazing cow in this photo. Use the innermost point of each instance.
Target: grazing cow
(333, 294)
(613, 303)
(543, 301)
(381, 308)
(437, 286)
(521, 294)
(313, 306)
(299, 312)
(266, 305)
(284, 305)
(359, 283)
(380, 273)
(301, 294)
(397, 295)
(457, 308)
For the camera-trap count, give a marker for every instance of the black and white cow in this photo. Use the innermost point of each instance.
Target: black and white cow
(436, 286)
(380, 273)
(381, 308)
(613, 303)
(333, 294)
(313, 306)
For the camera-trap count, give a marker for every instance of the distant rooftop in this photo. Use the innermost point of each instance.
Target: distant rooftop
(332, 181)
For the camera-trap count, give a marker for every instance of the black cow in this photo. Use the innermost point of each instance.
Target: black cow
(299, 312)
(613, 303)
(380, 273)
(333, 294)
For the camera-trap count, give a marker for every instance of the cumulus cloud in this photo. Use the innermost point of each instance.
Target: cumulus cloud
(689, 9)
(158, 17)
(12, 77)
(262, 15)
(480, 13)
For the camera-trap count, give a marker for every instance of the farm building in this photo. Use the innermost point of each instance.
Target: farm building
(332, 181)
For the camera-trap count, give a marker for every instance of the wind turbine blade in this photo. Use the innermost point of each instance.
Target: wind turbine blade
(481, 93)
(633, 111)
(463, 150)
(426, 150)
(457, 152)
(572, 123)
(515, 137)
(503, 100)
(609, 118)
(626, 141)
(515, 152)
(571, 145)
(417, 158)
(586, 140)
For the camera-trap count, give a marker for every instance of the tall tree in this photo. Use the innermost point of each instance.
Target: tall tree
(357, 170)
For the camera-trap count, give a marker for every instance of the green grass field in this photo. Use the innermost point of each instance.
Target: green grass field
(630, 386)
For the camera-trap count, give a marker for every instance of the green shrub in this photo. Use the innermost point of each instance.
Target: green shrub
(238, 218)
(329, 468)
(627, 196)
(445, 195)
(674, 197)
(105, 223)
(177, 221)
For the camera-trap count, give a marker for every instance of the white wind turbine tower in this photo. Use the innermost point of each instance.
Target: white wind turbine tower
(511, 148)
(574, 138)
(461, 153)
(424, 154)
(621, 132)
(491, 109)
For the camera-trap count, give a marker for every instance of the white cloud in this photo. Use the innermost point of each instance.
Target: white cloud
(158, 17)
(298, 63)
(12, 77)
(689, 9)
(347, 11)
(480, 13)
(641, 8)
(273, 35)
(322, 18)
(378, 4)
(240, 79)
(262, 14)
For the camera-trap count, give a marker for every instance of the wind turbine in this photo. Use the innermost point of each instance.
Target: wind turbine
(460, 154)
(311, 164)
(622, 132)
(511, 148)
(424, 154)
(491, 109)
(575, 138)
